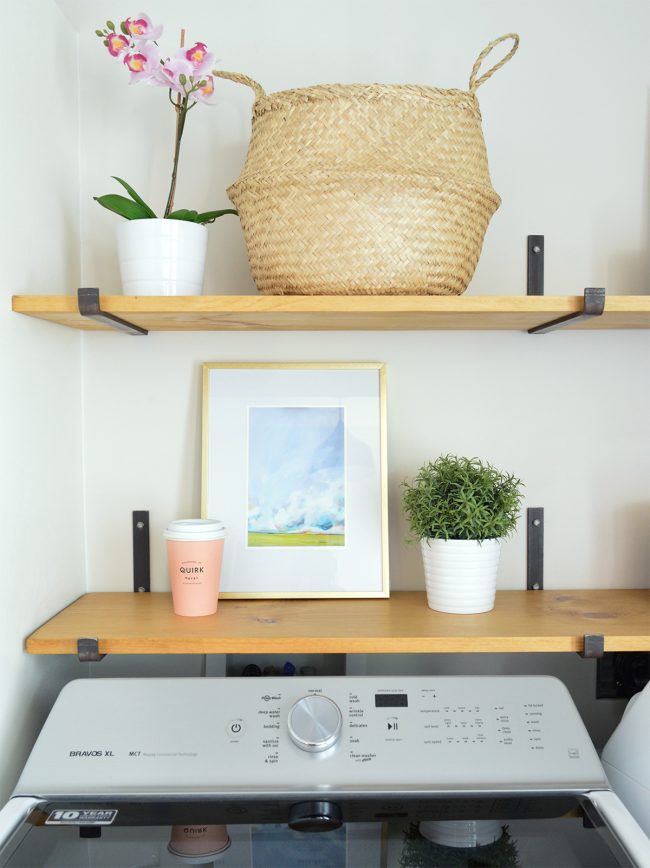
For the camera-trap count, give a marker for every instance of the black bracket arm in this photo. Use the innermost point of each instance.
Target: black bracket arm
(88, 301)
(594, 305)
(88, 650)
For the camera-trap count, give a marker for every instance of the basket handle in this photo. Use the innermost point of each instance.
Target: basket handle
(240, 78)
(474, 82)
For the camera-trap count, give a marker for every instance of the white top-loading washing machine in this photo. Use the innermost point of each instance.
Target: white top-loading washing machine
(235, 771)
(626, 758)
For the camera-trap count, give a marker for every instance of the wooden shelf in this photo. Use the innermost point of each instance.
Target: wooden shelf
(300, 313)
(128, 623)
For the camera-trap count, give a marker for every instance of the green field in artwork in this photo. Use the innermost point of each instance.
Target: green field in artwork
(295, 539)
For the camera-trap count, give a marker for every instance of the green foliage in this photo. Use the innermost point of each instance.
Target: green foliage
(137, 199)
(462, 498)
(124, 207)
(418, 852)
(195, 217)
(184, 214)
(211, 216)
(136, 208)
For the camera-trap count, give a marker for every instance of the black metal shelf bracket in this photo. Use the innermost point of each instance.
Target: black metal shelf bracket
(535, 548)
(594, 646)
(594, 297)
(535, 281)
(88, 650)
(88, 301)
(141, 556)
(593, 305)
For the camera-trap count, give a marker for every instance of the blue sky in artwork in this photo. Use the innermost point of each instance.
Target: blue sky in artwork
(296, 480)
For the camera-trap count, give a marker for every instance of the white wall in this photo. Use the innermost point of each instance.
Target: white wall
(41, 516)
(566, 127)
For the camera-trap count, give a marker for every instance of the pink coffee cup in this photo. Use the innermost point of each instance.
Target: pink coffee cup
(194, 555)
(205, 842)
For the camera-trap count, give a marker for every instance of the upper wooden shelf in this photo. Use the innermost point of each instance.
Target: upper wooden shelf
(129, 623)
(314, 313)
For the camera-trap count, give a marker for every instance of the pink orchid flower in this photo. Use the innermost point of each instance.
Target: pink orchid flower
(117, 44)
(204, 92)
(200, 58)
(187, 74)
(143, 62)
(176, 74)
(141, 28)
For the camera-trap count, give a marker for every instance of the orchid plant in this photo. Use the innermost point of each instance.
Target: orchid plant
(188, 81)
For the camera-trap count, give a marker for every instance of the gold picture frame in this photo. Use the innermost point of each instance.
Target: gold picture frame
(294, 464)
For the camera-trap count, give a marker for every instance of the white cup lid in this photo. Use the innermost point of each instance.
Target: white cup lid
(195, 528)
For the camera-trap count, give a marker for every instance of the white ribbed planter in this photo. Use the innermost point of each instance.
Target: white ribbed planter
(461, 833)
(460, 575)
(162, 257)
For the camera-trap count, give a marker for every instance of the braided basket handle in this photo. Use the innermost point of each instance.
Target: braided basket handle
(474, 82)
(240, 78)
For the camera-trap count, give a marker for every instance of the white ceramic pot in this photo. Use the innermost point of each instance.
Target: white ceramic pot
(461, 833)
(162, 257)
(460, 575)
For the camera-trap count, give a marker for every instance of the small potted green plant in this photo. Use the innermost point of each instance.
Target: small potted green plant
(461, 509)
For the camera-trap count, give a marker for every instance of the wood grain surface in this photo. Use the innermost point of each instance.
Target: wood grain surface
(363, 312)
(129, 623)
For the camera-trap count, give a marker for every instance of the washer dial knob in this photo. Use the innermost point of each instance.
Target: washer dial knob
(315, 723)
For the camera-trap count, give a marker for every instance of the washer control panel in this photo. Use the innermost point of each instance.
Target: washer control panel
(348, 733)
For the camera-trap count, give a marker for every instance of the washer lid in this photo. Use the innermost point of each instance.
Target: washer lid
(563, 841)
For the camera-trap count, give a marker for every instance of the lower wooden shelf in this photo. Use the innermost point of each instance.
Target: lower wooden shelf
(528, 621)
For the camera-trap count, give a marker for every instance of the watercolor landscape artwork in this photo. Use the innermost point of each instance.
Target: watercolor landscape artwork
(296, 476)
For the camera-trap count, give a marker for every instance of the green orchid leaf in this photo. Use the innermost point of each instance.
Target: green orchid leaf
(122, 206)
(211, 216)
(184, 214)
(195, 217)
(129, 189)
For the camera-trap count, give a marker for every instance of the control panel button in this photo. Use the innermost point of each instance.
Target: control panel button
(236, 728)
(314, 723)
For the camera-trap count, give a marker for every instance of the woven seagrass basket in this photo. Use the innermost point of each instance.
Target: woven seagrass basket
(366, 189)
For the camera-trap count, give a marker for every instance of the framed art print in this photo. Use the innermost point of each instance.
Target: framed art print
(294, 464)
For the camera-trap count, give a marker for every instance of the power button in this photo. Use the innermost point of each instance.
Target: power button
(236, 728)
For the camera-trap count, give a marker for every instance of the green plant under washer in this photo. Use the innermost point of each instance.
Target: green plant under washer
(418, 852)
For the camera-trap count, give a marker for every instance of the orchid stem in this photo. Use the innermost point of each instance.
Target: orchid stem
(181, 111)
(181, 108)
